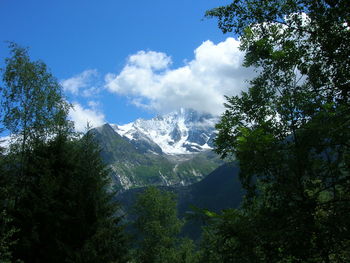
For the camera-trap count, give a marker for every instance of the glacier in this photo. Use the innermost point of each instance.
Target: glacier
(184, 131)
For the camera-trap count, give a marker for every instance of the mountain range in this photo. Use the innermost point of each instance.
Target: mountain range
(169, 150)
(179, 132)
(174, 152)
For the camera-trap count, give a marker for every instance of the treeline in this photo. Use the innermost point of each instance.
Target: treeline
(289, 132)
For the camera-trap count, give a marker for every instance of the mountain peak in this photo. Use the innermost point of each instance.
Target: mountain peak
(181, 132)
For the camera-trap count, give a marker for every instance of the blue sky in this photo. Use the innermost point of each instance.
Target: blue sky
(122, 60)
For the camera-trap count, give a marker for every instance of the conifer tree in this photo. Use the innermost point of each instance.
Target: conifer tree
(158, 229)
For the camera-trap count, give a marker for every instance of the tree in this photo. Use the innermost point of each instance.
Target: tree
(61, 206)
(67, 213)
(158, 228)
(230, 237)
(105, 239)
(7, 231)
(290, 130)
(33, 107)
(32, 111)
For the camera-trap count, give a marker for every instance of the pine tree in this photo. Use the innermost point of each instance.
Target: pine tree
(67, 213)
(106, 240)
(158, 229)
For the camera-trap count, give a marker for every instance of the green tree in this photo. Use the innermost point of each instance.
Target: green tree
(33, 107)
(7, 230)
(32, 111)
(158, 228)
(105, 240)
(67, 213)
(6, 234)
(289, 132)
(59, 200)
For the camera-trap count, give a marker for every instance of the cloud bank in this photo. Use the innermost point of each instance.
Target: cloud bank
(200, 84)
(82, 116)
(83, 84)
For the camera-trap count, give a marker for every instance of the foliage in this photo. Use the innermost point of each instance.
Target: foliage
(158, 229)
(289, 132)
(32, 103)
(7, 231)
(57, 201)
(66, 214)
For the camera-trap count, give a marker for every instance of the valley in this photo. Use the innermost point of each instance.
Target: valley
(173, 152)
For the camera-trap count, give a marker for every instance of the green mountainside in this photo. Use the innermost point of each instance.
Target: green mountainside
(133, 166)
(199, 179)
(221, 189)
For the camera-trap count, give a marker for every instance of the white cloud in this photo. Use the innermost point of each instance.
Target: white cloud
(200, 84)
(82, 84)
(81, 116)
(150, 60)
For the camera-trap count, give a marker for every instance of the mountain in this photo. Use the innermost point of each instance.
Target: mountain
(173, 149)
(179, 132)
(174, 152)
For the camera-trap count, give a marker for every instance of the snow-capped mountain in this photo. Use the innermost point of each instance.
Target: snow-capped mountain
(169, 150)
(180, 132)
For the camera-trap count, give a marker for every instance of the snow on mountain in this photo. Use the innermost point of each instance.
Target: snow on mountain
(180, 132)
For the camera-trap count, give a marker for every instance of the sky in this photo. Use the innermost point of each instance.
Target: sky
(122, 60)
